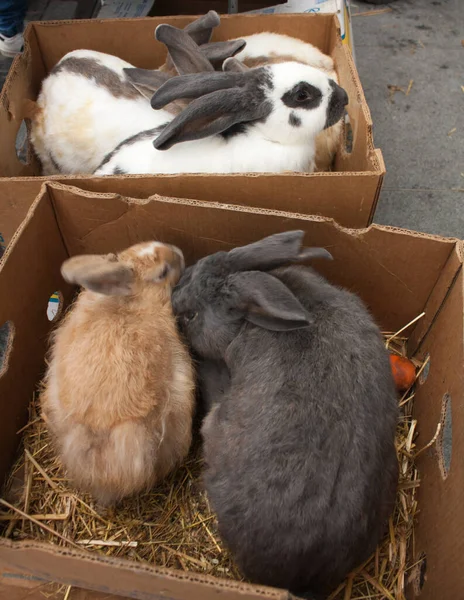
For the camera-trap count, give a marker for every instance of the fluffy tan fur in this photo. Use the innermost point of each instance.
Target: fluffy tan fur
(119, 392)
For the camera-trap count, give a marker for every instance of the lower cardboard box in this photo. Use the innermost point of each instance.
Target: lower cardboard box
(17, 585)
(399, 274)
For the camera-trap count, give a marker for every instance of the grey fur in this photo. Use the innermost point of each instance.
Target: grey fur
(234, 65)
(222, 100)
(201, 29)
(301, 467)
(148, 81)
(184, 52)
(219, 52)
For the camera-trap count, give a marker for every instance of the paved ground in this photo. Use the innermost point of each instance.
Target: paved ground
(422, 133)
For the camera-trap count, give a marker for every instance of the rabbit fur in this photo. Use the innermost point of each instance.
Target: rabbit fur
(301, 467)
(118, 395)
(263, 120)
(92, 101)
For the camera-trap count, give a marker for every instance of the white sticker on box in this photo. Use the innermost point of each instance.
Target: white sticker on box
(340, 7)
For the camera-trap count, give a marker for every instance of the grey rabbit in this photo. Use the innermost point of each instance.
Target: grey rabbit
(300, 461)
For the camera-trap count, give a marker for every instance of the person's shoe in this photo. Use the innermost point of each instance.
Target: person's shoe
(11, 46)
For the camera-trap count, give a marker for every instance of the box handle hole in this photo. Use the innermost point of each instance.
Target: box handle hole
(445, 439)
(22, 143)
(349, 136)
(7, 332)
(418, 574)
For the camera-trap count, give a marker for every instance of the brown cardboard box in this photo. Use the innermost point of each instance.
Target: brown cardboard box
(15, 585)
(349, 194)
(398, 274)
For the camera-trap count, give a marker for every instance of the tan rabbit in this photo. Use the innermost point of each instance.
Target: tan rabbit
(119, 392)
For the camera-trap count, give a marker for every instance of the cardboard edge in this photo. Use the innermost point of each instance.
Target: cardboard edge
(438, 297)
(381, 176)
(13, 548)
(352, 232)
(83, 22)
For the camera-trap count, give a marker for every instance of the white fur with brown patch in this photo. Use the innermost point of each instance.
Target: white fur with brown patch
(118, 396)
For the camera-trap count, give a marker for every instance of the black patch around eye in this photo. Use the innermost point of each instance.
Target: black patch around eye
(294, 120)
(303, 95)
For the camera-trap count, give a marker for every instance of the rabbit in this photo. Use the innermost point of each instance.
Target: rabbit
(91, 101)
(118, 396)
(264, 119)
(268, 48)
(300, 460)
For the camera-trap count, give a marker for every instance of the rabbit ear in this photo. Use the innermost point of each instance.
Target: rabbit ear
(193, 86)
(210, 115)
(274, 251)
(101, 274)
(218, 52)
(146, 81)
(201, 29)
(268, 303)
(234, 65)
(184, 52)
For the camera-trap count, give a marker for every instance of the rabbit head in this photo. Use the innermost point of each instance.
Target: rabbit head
(129, 272)
(289, 102)
(221, 292)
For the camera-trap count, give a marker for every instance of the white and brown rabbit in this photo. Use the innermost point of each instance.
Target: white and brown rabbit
(118, 396)
(264, 119)
(92, 101)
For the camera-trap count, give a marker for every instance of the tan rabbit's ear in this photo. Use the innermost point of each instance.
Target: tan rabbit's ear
(101, 274)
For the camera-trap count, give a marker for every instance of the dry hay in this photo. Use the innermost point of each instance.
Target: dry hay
(173, 526)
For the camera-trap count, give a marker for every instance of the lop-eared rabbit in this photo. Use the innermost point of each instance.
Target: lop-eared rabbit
(92, 101)
(119, 391)
(300, 461)
(243, 120)
(266, 48)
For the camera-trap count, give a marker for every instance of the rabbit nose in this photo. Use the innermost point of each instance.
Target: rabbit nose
(338, 100)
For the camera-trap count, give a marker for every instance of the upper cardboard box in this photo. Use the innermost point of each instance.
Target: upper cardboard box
(397, 273)
(348, 194)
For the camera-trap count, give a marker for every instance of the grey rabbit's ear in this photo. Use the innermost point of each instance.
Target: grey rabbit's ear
(222, 100)
(201, 29)
(267, 302)
(219, 52)
(274, 251)
(234, 65)
(184, 52)
(146, 81)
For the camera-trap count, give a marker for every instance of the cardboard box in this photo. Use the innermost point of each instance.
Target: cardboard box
(339, 7)
(398, 274)
(16, 585)
(349, 194)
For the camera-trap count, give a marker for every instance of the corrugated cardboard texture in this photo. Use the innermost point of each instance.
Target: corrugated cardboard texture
(441, 519)
(292, 193)
(15, 585)
(349, 194)
(398, 273)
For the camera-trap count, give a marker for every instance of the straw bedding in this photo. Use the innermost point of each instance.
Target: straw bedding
(173, 526)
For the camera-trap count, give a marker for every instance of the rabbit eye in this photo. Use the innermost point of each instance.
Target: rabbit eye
(302, 96)
(189, 316)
